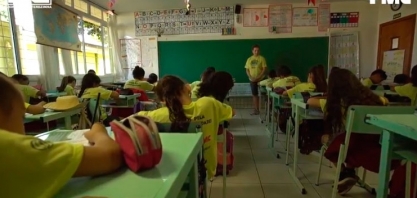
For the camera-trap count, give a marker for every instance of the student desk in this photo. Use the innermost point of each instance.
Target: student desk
(277, 102)
(129, 101)
(264, 93)
(178, 165)
(54, 115)
(397, 129)
(55, 94)
(300, 111)
(383, 92)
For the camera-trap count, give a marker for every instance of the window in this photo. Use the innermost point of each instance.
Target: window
(61, 63)
(96, 12)
(68, 3)
(107, 49)
(7, 56)
(81, 6)
(26, 38)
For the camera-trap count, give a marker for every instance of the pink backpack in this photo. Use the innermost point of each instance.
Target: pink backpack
(139, 140)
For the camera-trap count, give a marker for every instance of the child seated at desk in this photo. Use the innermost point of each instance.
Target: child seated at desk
(272, 77)
(205, 74)
(35, 109)
(180, 110)
(345, 90)
(401, 79)
(42, 168)
(376, 78)
(216, 86)
(196, 85)
(21, 79)
(152, 79)
(316, 81)
(138, 81)
(90, 88)
(285, 78)
(410, 89)
(67, 85)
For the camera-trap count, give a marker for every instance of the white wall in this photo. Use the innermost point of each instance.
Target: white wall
(385, 15)
(368, 21)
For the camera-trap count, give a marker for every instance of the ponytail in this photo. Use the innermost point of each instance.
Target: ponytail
(179, 120)
(64, 83)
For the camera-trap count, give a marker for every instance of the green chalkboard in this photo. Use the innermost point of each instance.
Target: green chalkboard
(188, 59)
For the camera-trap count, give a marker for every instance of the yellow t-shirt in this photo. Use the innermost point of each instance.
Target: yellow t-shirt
(194, 84)
(35, 168)
(367, 82)
(207, 111)
(194, 91)
(408, 90)
(255, 64)
(138, 84)
(289, 81)
(303, 87)
(27, 91)
(26, 105)
(92, 93)
(268, 82)
(69, 90)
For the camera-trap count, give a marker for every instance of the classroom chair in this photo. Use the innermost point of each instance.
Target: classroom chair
(355, 123)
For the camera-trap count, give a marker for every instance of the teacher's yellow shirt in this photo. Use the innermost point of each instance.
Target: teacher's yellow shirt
(255, 65)
(303, 87)
(409, 91)
(138, 84)
(33, 168)
(209, 113)
(27, 91)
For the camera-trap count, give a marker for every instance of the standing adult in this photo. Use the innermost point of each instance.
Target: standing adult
(255, 69)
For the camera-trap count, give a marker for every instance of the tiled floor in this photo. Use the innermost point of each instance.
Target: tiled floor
(258, 173)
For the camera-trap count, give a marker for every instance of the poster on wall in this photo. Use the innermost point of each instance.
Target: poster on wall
(344, 51)
(280, 18)
(393, 63)
(174, 21)
(324, 17)
(302, 17)
(344, 19)
(255, 17)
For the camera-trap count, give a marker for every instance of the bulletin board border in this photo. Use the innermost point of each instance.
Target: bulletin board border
(317, 19)
(267, 25)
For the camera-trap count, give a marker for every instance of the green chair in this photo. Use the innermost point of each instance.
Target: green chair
(355, 123)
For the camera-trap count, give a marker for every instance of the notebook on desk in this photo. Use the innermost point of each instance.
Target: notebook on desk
(76, 137)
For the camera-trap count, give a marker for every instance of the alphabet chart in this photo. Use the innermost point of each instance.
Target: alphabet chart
(174, 22)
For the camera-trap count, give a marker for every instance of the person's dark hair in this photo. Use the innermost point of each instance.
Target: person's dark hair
(152, 78)
(345, 90)
(91, 71)
(283, 71)
(414, 76)
(65, 81)
(381, 73)
(211, 69)
(89, 80)
(217, 85)
(8, 95)
(170, 89)
(20, 77)
(138, 73)
(272, 74)
(319, 78)
(206, 75)
(401, 79)
(255, 46)
(2, 74)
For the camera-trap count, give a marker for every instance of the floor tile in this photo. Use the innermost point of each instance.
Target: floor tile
(277, 174)
(325, 191)
(241, 142)
(241, 174)
(237, 191)
(243, 156)
(288, 191)
(266, 156)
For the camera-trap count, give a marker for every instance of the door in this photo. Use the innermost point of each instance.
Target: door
(403, 29)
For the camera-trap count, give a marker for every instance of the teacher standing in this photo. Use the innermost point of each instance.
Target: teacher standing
(255, 69)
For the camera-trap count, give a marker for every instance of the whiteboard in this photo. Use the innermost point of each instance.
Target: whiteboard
(393, 63)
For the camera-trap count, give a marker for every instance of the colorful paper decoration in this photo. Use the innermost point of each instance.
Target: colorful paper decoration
(344, 19)
(312, 1)
(111, 4)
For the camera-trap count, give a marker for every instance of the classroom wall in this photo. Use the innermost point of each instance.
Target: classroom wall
(385, 15)
(368, 22)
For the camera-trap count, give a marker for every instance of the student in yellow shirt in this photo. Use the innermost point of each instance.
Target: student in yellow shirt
(35, 109)
(316, 81)
(138, 81)
(345, 90)
(205, 74)
(21, 79)
(272, 77)
(90, 88)
(410, 89)
(196, 85)
(217, 86)
(51, 164)
(285, 78)
(255, 69)
(376, 78)
(180, 110)
(67, 85)
(152, 78)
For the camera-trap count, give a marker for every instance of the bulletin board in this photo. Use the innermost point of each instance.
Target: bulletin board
(174, 21)
(130, 55)
(344, 51)
(304, 16)
(280, 18)
(255, 17)
(324, 17)
(344, 19)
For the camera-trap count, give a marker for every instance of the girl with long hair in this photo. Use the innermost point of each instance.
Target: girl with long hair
(90, 88)
(316, 81)
(67, 85)
(195, 86)
(217, 86)
(345, 90)
(180, 110)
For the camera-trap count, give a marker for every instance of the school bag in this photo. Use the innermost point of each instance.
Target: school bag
(139, 139)
(229, 150)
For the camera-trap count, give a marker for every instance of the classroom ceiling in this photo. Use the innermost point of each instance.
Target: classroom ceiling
(125, 6)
